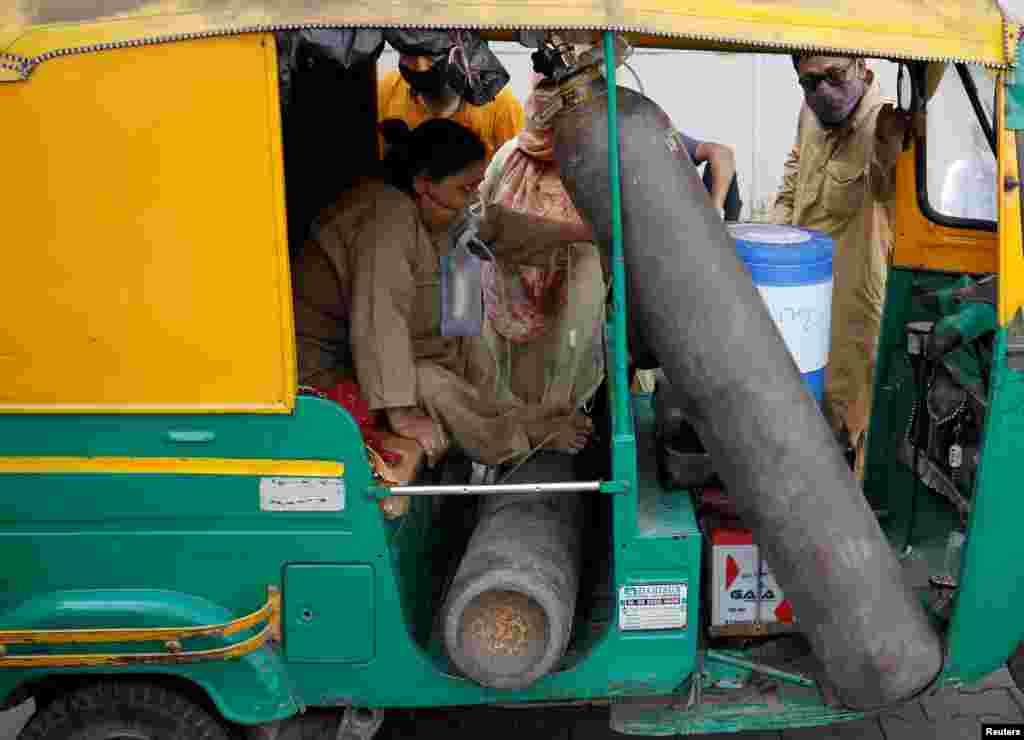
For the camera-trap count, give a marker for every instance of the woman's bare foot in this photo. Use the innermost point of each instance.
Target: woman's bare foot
(567, 433)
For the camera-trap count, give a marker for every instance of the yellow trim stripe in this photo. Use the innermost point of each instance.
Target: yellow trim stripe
(134, 634)
(173, 466)
(146, 408)
(271, 613)
(126, 659)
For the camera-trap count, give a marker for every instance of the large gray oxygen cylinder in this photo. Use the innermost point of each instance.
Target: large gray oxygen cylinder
(696, 306)
(508, 615)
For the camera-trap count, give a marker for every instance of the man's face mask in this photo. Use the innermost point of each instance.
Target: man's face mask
(834, 92)
(429, 82)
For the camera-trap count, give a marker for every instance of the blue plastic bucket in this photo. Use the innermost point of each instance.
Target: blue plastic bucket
(792, 269)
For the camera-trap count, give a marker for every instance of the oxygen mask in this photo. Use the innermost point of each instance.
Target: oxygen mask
(462, 305)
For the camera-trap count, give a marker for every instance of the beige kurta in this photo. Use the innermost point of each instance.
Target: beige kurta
(836, 181)
(371, 263)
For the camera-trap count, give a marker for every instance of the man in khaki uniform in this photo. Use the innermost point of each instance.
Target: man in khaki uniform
(840, 179)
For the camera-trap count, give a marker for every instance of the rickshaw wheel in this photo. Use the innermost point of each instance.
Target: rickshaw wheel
(1015, 664)
(123, 710)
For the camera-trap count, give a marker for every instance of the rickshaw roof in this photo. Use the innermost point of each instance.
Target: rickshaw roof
(973, 31)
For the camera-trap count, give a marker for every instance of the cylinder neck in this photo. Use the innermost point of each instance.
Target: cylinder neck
(580, 87)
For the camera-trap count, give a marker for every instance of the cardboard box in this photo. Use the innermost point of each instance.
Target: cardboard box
(736, 598)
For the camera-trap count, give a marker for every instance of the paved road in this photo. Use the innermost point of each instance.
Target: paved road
(952, 715)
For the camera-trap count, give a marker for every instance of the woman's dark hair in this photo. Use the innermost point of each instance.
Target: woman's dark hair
(437, 148)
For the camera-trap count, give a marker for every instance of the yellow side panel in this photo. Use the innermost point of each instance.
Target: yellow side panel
(1011, 249)
(171, 466)
(922, 244)
(971, 30)
(145, 256)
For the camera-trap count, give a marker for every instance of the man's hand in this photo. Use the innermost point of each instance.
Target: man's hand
(891, 129)
(722, 162)
(411, 423)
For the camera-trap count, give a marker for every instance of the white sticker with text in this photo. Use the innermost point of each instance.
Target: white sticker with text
(652, 606)
(302, 494)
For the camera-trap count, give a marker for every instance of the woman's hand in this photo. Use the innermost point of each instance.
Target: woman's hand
(410, 422)
(580, 232)
(534, 233)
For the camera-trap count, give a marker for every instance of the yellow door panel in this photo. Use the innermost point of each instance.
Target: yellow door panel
(144, 233)
(1011, 256)
(923, 244)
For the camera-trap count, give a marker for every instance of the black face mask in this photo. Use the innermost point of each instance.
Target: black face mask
(834, 105)
(430, 83)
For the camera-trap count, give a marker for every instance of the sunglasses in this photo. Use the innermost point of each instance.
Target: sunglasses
(835, 76)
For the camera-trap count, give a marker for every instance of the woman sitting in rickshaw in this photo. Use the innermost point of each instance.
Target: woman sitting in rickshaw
(373, 262)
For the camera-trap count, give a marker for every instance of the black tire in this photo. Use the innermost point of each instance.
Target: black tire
(313, 726)
(1015, 664)
(125, 710)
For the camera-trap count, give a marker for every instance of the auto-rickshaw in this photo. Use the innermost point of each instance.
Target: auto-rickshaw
(190, 546)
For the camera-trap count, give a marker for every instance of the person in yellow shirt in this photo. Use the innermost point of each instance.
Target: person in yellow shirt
(417, 92)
